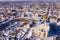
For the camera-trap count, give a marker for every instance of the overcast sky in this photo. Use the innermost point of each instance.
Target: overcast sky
(29, 0)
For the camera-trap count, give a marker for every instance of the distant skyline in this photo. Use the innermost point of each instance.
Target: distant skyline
(29, 0)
